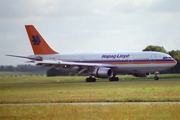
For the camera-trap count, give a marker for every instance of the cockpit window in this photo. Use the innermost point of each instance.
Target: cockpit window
(167, 57)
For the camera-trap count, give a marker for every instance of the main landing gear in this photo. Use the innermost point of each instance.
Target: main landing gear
(156, 76)
(114, 78)
(90, 79)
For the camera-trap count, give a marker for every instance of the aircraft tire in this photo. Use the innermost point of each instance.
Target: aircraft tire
(87, 79)
(90, 79)
(110, 79)
(156, 78)
(93, 79)
(114, 79)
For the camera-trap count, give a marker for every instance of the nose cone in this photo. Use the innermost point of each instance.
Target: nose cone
(175, 62)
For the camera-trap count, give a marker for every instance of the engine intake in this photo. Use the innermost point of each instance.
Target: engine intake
(141, 74)
(102, 72)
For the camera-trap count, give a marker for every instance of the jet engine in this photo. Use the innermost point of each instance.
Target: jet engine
(141, 74)
(102, 72)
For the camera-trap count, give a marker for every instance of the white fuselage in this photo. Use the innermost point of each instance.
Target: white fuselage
(126, 62)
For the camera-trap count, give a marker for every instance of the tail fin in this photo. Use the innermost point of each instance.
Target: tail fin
(38, 44)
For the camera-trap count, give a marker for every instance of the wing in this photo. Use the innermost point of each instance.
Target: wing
(78, 67)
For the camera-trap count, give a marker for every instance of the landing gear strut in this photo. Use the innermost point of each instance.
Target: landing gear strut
(156, 76)
(90, 79)
(114, 78)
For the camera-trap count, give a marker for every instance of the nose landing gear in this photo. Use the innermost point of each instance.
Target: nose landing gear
(156, 76)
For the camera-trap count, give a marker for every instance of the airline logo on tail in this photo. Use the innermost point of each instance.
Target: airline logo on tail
(39, 45)
(36, 40)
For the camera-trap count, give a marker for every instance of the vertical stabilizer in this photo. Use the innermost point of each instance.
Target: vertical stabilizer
(38, 44)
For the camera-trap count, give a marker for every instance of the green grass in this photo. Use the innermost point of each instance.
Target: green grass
(74, 89)
(91, 112)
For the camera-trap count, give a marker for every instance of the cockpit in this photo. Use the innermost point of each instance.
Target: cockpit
(167, 57)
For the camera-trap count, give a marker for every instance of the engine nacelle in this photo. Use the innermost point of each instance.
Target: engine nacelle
(102, 72)
(141, 74)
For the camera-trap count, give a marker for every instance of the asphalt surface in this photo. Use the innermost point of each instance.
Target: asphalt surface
(105, 80)
(93, 103)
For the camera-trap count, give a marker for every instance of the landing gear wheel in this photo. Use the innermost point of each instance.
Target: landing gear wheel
(90, 79)
(93, 79)
(114, 79)
(87, 79)
(156, 78)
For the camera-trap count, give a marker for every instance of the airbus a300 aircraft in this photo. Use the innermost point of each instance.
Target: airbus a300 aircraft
(100, 65)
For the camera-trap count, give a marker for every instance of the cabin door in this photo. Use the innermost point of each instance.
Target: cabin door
(130, 60)
(82, 59)
(153, 58)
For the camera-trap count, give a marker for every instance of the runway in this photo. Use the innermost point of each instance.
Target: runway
(98, 81)
(91, 103)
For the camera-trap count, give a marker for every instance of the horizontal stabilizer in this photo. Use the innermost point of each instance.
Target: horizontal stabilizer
(31, 58)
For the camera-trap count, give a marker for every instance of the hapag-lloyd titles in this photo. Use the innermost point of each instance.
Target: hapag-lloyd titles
(115, 56)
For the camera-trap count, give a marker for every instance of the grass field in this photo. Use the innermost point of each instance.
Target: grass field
(75, 89)
(91, 112)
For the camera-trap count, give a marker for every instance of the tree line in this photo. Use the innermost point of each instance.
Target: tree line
(33, 68)
(173, 53)
(22, 68)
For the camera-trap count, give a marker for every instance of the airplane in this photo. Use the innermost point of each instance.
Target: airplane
(99, 65)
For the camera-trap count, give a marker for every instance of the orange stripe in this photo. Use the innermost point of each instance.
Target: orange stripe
(165, 62)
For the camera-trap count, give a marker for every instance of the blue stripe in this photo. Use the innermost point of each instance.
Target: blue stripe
(101, 61)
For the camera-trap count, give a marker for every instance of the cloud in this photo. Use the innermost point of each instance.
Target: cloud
(166, 6)
(89, 26)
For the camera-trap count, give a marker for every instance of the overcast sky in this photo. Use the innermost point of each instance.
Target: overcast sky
(77, 26)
